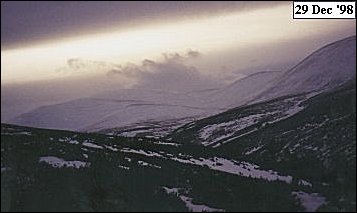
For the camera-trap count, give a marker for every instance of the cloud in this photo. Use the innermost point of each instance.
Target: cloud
(169, 74)
(190, 54)
(79, 66)
(193, 53)
(172, 57)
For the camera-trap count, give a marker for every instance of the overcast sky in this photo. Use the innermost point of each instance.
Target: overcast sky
(39, 39)
(28, 22)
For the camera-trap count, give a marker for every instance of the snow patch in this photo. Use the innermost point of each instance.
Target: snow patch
(92, 145)
(196, 207)
(220, 164)
(171, 190)
(16, 133)
(68, 140)
(132, 133)
(304, 183)
(254, 149)
(143, 163)
(59, 163)
(111, 148)
(141, 152)
(123, 167)
(168, 144)
(207, 131)
(188, 202)
(242, 168)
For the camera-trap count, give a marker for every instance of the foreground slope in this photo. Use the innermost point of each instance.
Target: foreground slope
(46, 170)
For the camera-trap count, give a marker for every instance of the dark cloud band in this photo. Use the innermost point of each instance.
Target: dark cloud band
(24, 23)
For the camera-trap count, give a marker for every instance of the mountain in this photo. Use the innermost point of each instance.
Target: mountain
(326, 68)
(152, 113)
(283, 96)
(243, 90)
(157, 113)
(217, 100)
(123, 108)
(310, 135)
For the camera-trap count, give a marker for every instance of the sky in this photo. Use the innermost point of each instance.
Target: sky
(46, 20)
(80, 48)
(39, 39)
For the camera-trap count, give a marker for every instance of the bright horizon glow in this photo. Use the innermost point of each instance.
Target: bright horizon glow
(238, 30)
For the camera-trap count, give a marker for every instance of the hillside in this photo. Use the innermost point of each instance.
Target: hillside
(309, 136)
(326, 68)
(51, 170)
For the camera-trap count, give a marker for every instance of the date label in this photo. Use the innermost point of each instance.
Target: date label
(324, 10)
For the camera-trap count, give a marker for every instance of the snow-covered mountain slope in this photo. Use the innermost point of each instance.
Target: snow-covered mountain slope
(326, 68)
(147, 112)
(154, 96)
(243, 90)
(121, 108)
(134, 111)
(236, 123)
(93, 114)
